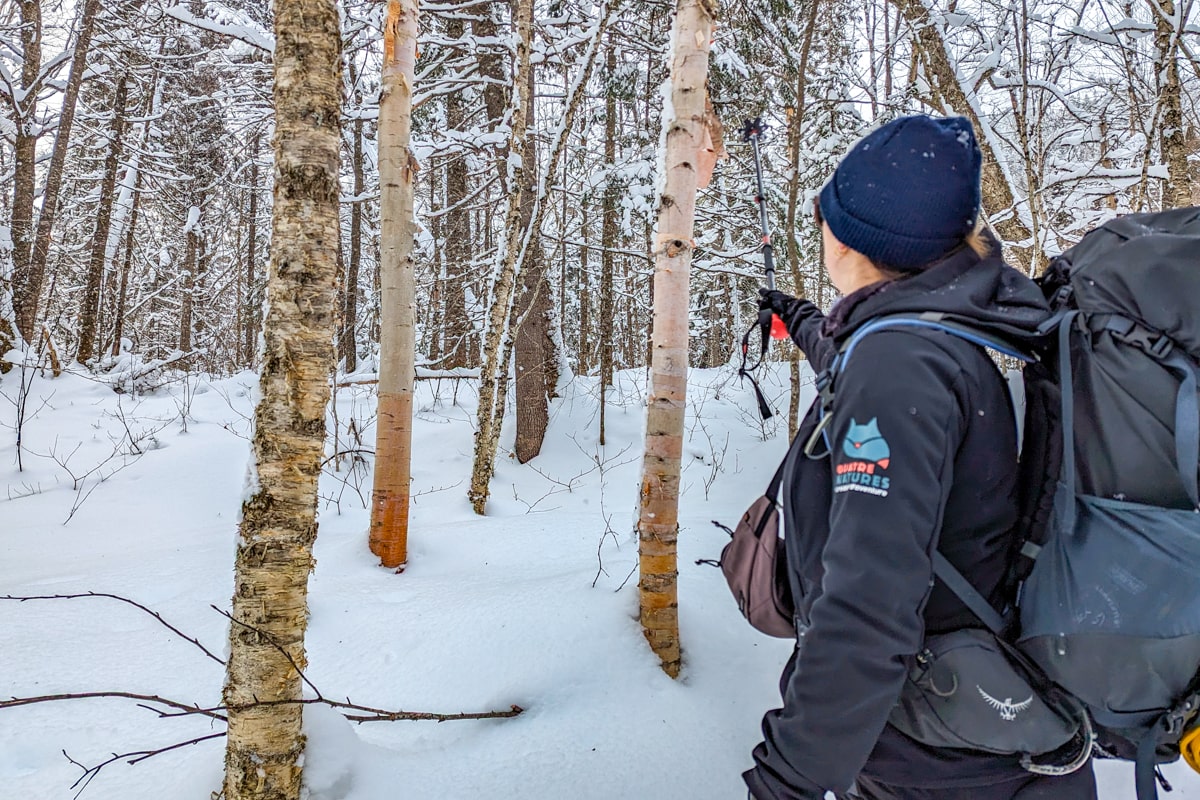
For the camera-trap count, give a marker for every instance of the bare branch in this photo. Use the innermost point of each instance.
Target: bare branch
(133, 603)
(186, 708)
(134, 757)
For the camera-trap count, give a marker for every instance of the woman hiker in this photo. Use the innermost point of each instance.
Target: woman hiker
(920, 454)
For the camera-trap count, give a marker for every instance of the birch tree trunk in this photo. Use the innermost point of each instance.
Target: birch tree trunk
(397, 354)
(274, 554)
(495, 363)
(126, 265)
(658, 520)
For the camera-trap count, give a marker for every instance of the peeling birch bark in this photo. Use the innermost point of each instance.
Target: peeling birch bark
(274, 553)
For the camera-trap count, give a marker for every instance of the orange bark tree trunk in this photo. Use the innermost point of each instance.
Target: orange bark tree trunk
(397, 355)
(658, 520)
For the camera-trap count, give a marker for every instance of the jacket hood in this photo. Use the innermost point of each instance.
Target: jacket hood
(984, 292)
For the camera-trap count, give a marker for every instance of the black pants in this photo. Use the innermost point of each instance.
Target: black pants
(1079, 785)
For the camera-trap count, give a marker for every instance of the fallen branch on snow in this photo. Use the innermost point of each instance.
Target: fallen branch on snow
(353, 712)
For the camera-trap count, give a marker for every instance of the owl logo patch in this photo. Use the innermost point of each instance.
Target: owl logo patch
(866, 458)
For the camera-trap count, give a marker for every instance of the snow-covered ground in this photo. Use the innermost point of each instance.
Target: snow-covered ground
(533, 605)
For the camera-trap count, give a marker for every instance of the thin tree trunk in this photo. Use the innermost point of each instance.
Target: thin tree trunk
(495, 367)
(349, 346)
(610, 237)
(191, 271)
(97, 264)
(537, 351)
(457, 333)
(253, 301)
(126, 265)
(397, 350)
(658, 520)
(530, 324)
(274, 554)
(435, 308)
(26, 286)
(58, 158)
(795, 132)
(585, 291)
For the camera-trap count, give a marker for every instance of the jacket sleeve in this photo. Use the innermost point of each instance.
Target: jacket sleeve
(897, 422)
(803, 322)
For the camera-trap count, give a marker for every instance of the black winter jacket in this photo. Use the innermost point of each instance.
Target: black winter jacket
(922, 455)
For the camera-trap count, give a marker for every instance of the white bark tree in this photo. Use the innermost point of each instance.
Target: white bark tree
(397, 355)
(274, 554)
(658, 520)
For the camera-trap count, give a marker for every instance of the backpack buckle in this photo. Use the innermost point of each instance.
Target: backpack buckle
(1160, 347)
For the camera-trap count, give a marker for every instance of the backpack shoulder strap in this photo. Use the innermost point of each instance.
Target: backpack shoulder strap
(826, 385)
(929, 320)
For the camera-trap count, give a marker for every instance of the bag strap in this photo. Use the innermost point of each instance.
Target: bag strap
(777, 480)
(971, 598)
(1066, 508)
(1187, 425)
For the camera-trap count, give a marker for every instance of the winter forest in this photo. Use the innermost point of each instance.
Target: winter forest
(422, 277)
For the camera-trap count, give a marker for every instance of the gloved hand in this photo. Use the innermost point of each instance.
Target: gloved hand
(778, 302)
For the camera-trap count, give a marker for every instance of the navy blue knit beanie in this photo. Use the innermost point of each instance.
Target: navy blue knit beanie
(908, 193)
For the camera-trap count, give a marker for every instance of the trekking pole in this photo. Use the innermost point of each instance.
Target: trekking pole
(768, 323)
(752, 131)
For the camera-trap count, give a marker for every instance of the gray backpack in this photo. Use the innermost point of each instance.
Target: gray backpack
(1109, 574)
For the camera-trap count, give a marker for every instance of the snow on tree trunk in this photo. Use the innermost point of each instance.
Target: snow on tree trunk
(1168, 29)
(536, 342)
(274, 554)
(495, 354)
(658, 520)
(397, 356)
(191, 269)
